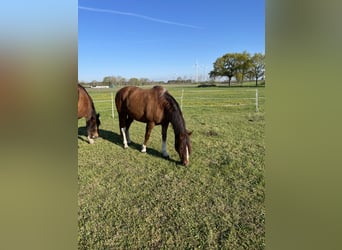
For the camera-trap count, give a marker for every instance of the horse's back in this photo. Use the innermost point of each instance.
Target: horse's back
(131, 95)
(141, 104)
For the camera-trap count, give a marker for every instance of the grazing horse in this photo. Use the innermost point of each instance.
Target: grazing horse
(87, 110)
(154, 107)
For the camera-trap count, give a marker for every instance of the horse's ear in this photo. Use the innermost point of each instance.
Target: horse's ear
(98, 115)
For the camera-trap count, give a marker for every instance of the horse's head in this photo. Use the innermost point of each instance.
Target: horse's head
(98, 123)
(93, 127)
(183, 147)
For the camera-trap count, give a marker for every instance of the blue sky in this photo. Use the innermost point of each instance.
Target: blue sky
(163, 39)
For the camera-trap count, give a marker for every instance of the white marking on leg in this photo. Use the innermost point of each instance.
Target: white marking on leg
(91, 141)
(164, 152)
(143, 148)
(123, 131)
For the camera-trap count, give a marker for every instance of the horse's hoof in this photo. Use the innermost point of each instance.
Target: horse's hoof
(91, 141)
(125, 146)
(166, 156)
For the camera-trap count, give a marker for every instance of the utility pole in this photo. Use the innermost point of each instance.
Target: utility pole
(196, 65)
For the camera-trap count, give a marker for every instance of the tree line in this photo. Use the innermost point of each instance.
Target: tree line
(242, 66)
(112, 81)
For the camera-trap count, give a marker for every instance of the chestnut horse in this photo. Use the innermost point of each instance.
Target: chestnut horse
(87, 110)
(154, 107)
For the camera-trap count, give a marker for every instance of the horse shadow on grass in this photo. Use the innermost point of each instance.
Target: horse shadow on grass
(149, 151)
(82, 134)
(103, 134)
(117, 140)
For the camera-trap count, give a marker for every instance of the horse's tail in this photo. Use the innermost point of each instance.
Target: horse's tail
(121, 97)
(118, 100)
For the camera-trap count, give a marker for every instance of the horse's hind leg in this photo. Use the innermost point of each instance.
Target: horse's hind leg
(149, 127)
(122, 125)
(123, 133)
(128, 124)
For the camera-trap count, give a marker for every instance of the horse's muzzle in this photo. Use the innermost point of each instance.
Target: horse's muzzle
(91, 138)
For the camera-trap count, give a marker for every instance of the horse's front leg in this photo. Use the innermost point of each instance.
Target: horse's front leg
(89, 133)
(149, 127)
(164, 135)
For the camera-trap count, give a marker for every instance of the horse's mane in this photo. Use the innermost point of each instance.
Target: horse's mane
(174, 113)
(91, 100)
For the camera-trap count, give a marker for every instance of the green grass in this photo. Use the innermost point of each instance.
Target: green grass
(133, 200)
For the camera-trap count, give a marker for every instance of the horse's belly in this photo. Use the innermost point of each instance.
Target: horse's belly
(143, 117)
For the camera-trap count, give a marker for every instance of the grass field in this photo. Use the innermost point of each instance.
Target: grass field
(131, 200)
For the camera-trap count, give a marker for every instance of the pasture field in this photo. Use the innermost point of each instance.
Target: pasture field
(133, 200)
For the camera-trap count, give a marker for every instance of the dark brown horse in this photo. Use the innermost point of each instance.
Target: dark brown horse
(87, 110)
(154, 107)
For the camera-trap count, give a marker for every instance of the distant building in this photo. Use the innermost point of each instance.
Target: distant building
(99, 87)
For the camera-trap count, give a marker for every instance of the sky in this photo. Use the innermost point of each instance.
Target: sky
(164, 39)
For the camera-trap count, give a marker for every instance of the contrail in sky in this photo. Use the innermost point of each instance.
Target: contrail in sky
(139, 16)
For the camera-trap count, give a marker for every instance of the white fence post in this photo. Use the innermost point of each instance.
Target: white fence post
(112, 105)
(182, 99)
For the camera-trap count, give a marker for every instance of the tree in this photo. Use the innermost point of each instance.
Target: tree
(111, 80)
(239, 77)
(120, 80)
(133, 81)
(257, 66)
(94, 83)
(239, 65)
(143, 81)
(224, 66)
(242, 66)
(114, 80)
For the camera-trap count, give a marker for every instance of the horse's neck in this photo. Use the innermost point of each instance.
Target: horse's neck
(177, 121)
(174, 114)
(92, 107)
(92, 111)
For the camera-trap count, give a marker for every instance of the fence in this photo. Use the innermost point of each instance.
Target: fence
(103, 108)
(195, 98)
(107, 104)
